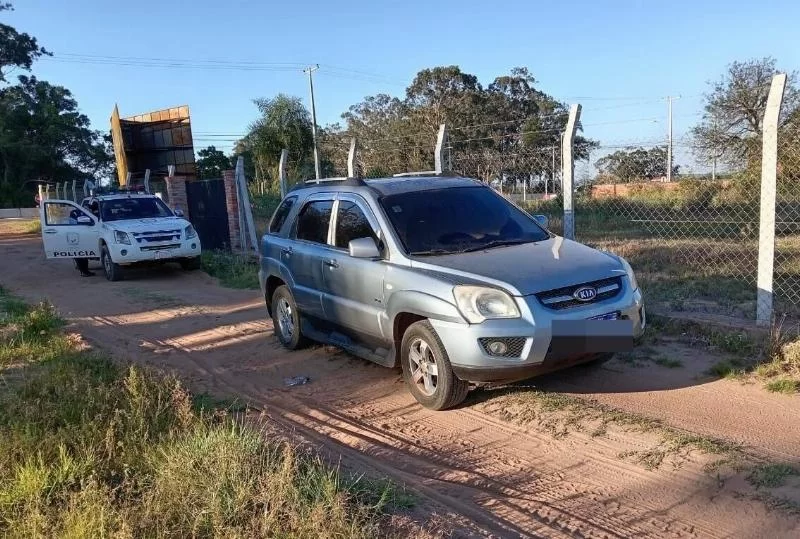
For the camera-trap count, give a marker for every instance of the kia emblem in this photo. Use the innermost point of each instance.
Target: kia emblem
(585, 293)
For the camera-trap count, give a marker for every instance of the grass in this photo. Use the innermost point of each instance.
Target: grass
(20, 226)
(232, 270)
(667, 362)
(558, 413)
(89, 448)
(787, 386)
(771, 475)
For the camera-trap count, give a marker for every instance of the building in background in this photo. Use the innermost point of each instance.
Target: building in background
(154, 140)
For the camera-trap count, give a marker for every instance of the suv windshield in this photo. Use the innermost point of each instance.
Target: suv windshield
(133, 208)
(458, 219)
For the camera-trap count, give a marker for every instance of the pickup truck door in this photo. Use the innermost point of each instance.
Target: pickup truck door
(68, 231)
(353, 292)
(305, 253)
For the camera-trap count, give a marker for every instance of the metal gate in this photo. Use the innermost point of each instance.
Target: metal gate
(208, 212)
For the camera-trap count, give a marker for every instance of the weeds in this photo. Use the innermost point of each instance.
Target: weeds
(557, 413)
(727, 368)
(787, 386)
(232, 270)
(771, 475)
(668, 362)
(92, 449)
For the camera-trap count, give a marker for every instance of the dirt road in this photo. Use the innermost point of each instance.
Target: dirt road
(509, 480)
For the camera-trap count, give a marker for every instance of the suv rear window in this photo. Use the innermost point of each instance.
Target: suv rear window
(313, 221)
(458, 219)
(280, 215)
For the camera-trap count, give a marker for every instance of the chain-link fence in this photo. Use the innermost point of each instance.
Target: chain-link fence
(787, 221)
(692, 237)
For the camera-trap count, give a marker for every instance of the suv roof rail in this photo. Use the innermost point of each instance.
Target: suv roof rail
(345, 180)
(423, 173)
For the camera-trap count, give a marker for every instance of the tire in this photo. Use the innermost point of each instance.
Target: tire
(286, 319)
(190, 264)
(438, 391)
(113, 271)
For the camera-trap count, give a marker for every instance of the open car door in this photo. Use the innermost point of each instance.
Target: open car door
(68, 231)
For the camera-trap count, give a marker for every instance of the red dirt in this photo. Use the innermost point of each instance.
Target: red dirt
(508, 480)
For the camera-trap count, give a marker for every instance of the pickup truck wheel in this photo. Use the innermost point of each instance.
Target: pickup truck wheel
(189, 264)
(286, 319)
(113, 271)
(427, 370)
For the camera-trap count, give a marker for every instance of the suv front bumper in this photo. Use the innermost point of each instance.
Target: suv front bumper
(542, 350)
(123, 253)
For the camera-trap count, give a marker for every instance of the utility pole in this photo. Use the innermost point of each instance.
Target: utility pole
(310, 70)
(669, 137)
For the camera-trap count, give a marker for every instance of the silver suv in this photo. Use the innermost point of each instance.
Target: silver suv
(444, 277)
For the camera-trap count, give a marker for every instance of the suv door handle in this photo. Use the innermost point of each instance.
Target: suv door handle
(50, 231)
(286, 251)
(331, 263)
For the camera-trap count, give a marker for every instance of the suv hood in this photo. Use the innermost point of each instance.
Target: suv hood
(149, 225)
(528, 268)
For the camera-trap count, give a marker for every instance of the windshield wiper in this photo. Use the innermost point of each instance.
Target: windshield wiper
(495, 243)
(432, 252)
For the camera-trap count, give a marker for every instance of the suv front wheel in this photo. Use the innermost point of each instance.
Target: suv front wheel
(286, 318)
(112, 271)
(427, 370)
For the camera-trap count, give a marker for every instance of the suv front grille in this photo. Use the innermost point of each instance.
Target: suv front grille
(563, 298)
(514, 345)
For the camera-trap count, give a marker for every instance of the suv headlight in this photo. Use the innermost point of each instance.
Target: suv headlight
(629, 270)
(121, 237)
(479, 303)
(189, 232)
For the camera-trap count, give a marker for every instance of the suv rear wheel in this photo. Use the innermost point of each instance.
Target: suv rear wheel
(286, 318)
(427, 370)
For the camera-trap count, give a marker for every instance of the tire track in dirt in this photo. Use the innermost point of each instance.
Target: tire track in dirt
(509, 480)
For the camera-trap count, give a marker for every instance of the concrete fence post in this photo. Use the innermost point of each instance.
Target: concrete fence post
(568, 170)
(439, 156)
(74, 192)
(769, 180)
(351, 158)
(282, 171)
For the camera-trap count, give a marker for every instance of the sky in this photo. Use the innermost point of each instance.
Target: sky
(619, 59)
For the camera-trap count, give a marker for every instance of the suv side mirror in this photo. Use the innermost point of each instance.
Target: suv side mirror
(542, 220)
(178, 212)
(363, 248)
(85, 220)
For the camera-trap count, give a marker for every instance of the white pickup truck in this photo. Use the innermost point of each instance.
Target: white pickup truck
(120, 229)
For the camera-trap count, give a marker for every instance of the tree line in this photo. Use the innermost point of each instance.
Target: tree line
(43, 136)
(507, 130)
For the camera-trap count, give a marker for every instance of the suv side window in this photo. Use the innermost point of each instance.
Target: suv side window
(351, 224)
(281, 214)
(313, 221)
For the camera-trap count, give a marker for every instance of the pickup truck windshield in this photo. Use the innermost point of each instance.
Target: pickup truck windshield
(133, 208)
(458, 219)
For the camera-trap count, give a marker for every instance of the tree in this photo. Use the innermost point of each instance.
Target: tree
(211, 162)
(16, 49)
(640, 164)
(284, 124)
(509, 129)
(731, 127)
(44, 136)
